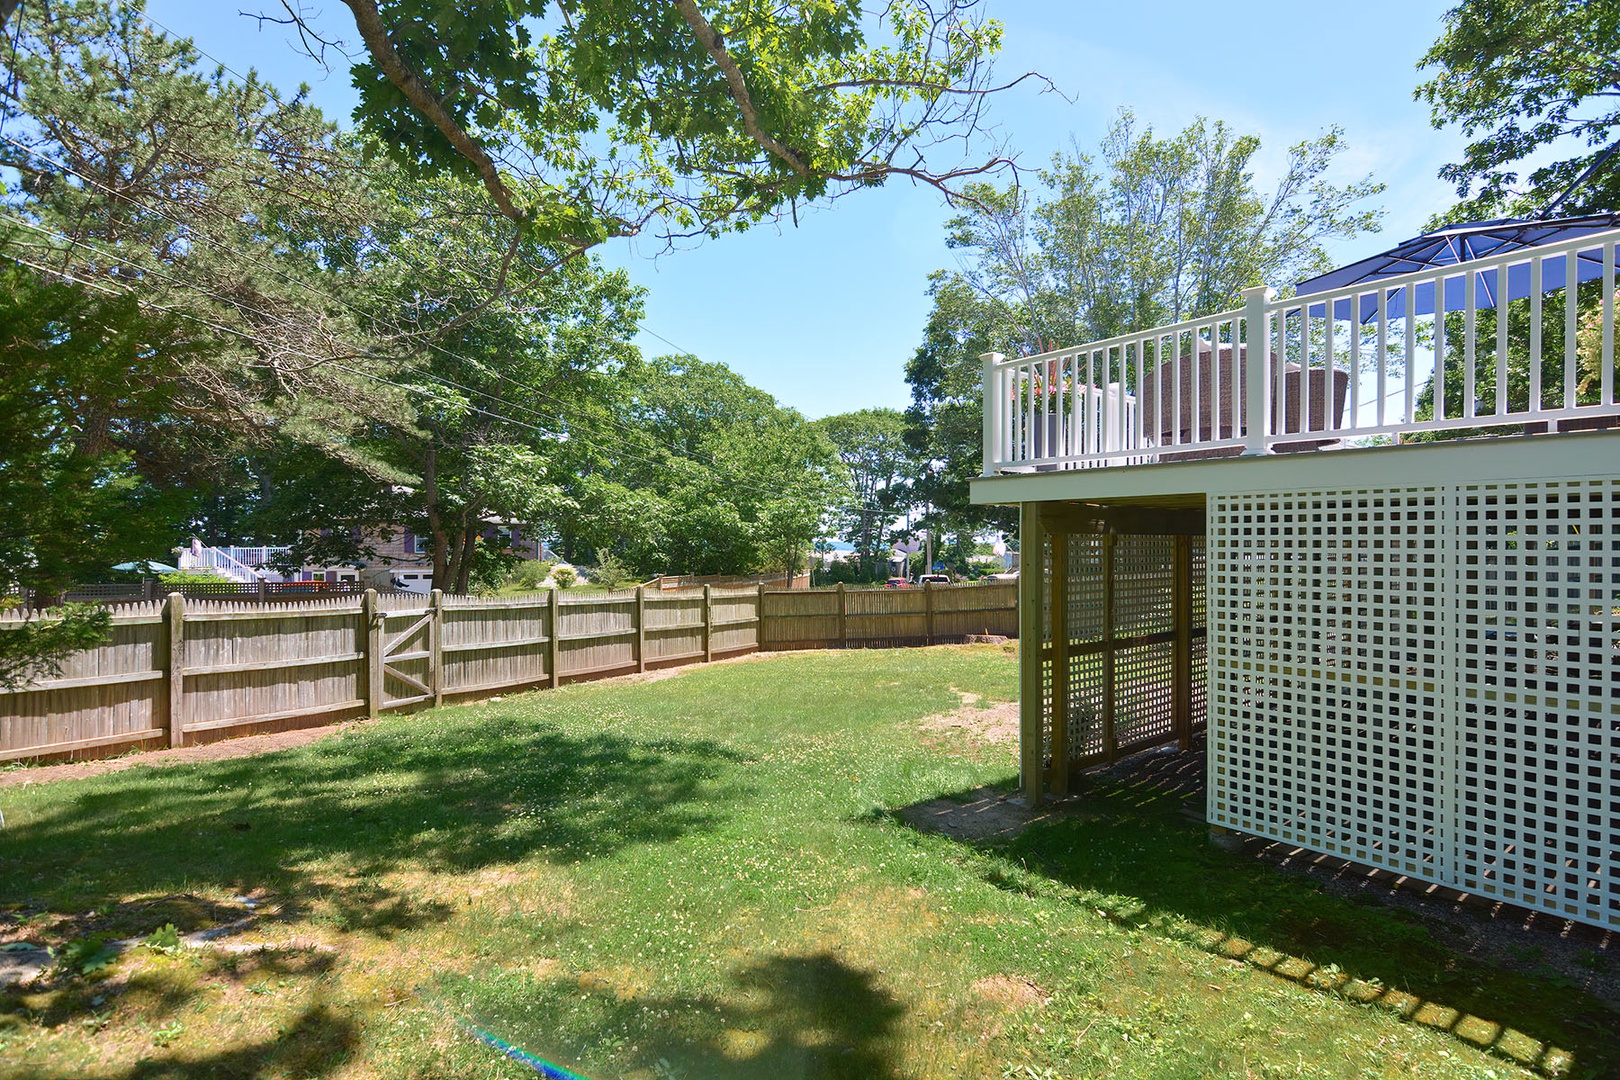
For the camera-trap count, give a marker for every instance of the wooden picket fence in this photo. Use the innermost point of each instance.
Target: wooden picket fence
(178, 671)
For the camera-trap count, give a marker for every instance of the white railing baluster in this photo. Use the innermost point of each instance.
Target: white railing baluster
(1606, 348)
(1408, 357)
(1470, 401)
(1382, 352)
(1535, 404)
(1571, 276)
(1440, 347)
(1501, 341)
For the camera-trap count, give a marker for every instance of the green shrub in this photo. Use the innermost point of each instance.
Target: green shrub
(565, 577)
(530, 575)
(610, 573)
(193, 577)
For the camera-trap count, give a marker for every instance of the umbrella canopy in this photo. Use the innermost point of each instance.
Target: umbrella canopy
(1457, 244)
(148, 567)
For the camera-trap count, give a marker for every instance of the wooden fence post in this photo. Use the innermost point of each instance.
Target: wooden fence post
(641, 628)
(1031, 653)
(1110, 751)
(843, 617)
(1182, 607)
(708, 624)
(1060, 663)
(175, 612)
(928, 612)
(553, 636)
(762, 616)
(436, 646)
(371, 622)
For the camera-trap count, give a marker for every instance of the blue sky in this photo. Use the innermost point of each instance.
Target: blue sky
(825, 315)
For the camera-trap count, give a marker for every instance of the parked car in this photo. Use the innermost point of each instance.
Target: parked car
(897, 583)
(937, 579)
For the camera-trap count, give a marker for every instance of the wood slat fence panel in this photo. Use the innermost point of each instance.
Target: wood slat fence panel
(178, 670)
(110, 696)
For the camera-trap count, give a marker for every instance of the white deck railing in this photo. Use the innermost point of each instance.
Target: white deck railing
(236, 563)
(1347, 367)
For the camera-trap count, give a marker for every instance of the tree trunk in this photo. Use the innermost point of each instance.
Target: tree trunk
(469, 542)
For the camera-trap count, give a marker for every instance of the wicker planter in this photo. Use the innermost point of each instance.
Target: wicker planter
(1164, 421)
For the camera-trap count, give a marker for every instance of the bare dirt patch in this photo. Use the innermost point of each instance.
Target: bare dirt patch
(1010, 991)
(995, 723)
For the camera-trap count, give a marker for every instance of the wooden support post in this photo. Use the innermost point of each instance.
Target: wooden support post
(1060, 663)
(762, 616)
(436, 646)
(928, 612)
(553, 637)
(371, 623)
(264, 590)
(641, 628)
(708, 624)
(1031, 654)
(1182, 608)
(1108, 659)
(175, 621)
(843, 617)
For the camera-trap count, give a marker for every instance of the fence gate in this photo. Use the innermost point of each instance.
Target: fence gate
(403, 647)
(1122, 662)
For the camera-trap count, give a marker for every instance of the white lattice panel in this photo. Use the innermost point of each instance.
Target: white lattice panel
(1537, 695)
(1425, 679)
(1326, 653)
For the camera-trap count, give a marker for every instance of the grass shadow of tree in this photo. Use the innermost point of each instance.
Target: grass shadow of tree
(311, 830)
(790, 1017)
(1130, 851)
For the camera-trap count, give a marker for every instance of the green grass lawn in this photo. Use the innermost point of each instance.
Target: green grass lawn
(707, 876)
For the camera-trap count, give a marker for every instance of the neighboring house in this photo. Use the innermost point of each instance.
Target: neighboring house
(404, 560)
(408, 557)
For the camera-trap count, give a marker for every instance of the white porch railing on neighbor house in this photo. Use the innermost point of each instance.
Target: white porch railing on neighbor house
(236, 563)
(1352, 366)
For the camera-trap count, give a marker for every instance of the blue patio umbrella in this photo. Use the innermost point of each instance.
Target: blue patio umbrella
(1452, 246)
(147, 566)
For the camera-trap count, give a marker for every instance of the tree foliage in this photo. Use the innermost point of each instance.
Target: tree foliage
(702, 474)
(1150, 230)
(1524, 79)
(91, 470)
(586, 119)
(871, 444)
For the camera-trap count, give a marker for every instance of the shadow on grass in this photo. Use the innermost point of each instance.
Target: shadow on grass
(447, 798)
(787, 1018)
(1130, 852)
(318, 1043)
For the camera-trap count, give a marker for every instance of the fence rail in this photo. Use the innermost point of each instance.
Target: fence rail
(180, 670)
(1518, 342)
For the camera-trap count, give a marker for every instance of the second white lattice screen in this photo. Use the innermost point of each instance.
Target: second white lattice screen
(1423, 678)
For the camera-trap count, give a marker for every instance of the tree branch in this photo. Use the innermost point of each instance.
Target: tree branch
(712, 42)
(368, 20)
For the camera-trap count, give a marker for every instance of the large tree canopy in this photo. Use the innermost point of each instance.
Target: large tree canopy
(698, 472)
(1528, 79)
(586, 119)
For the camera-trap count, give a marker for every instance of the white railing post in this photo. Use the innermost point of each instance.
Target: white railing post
(1257, 371)
(992, 412)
